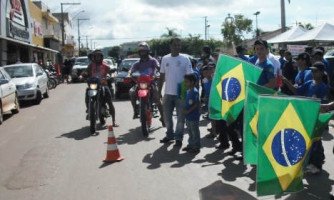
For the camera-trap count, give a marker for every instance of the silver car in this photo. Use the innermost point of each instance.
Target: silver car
(8, 96)
(31, 81)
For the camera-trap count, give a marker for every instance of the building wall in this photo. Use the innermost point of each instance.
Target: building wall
(37, 28)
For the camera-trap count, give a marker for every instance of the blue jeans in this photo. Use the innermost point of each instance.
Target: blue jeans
(170, 102)
(194, 140)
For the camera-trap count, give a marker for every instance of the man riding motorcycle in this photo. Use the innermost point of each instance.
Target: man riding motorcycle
(98, 69)
(147, 65)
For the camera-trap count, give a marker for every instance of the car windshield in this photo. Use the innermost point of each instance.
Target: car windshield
(127, 64)
(330, 53)
(109, 62)
(81, 61)
(20, 71)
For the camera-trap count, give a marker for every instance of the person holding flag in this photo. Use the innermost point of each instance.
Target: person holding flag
(315, 88)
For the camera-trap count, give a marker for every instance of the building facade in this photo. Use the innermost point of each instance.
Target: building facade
(15, 32)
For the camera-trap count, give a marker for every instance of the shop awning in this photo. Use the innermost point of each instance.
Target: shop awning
(28, 44)
(288, 35)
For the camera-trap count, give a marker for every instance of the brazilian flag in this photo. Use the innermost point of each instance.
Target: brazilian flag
(228, 87)
(285, 133)
(322, 123)
(251, 117)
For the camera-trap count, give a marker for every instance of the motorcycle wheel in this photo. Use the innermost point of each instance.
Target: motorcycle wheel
(143, 118)
(92, 117)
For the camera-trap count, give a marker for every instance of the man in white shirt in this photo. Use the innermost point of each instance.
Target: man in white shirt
(173, 68)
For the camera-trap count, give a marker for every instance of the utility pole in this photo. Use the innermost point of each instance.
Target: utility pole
(206, 27)
(79, 37)
(87, 41)
(62, 21)
(283, 19)
(257, 28)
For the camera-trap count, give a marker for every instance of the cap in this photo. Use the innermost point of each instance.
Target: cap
(318, 66)
(143, 46)
(318, 52)
(304, 56)
(261, 42)
(240, 48)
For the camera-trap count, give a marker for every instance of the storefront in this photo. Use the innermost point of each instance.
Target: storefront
(15, 32)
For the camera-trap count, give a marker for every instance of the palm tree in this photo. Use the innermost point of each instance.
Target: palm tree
(171, 32)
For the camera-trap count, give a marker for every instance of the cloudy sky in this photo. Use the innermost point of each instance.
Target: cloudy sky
(116, 21)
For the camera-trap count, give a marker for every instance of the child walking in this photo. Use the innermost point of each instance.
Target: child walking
(192, 113)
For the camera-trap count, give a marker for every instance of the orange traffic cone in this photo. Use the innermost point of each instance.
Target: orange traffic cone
(113, 154)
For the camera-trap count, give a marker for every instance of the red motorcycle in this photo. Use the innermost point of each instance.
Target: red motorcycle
(144, 102)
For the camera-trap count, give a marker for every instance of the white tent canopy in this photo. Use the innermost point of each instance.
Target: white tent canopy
(323, 33)
(288, 35)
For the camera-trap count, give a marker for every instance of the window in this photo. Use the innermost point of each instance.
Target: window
(2, 76)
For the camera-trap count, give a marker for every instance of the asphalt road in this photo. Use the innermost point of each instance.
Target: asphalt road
(46, 152)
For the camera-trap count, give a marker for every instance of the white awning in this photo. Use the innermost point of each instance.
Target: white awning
(288, 35)
(28, 44)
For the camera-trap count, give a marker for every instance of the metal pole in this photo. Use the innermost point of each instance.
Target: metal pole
(257, 28)
(62, 26)
(87, 41)
(78, 36)
(206, 28)
(283, 22)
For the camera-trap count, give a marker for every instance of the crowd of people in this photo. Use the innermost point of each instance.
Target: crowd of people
(187, 83)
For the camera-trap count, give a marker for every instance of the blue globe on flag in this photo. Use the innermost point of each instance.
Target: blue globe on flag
(288, 147)
(231, 89)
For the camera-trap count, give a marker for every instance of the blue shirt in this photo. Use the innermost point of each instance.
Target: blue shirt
(303, 77)
(207, 88)
(243, 57)
(282, 61)
(192, 98)
(197, 73)
(310, 89)
(253, 59)
(267, 72)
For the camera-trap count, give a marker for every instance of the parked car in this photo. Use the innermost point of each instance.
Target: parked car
(111, 63)
(80, 66)
(8, 96)
(122, 82)
(31, 81)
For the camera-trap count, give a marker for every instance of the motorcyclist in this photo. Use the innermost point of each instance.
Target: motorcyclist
(147, 65)
(98, 69)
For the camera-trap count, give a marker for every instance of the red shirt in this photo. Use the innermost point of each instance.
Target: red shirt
(98, 71)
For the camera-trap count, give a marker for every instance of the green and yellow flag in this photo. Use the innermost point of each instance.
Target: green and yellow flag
(285, 133)
(228, 87)
(321, 125)
(251, 116)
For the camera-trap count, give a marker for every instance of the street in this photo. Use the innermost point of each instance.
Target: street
(46, 152)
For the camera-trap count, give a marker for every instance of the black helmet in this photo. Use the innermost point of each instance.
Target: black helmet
(97, 52)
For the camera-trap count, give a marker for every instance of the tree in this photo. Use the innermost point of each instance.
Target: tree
(307, 26)
(171, 32)
(233, 29)
(114, 52)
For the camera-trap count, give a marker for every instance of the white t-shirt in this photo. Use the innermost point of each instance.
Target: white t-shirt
(276, 63)
(174, 69)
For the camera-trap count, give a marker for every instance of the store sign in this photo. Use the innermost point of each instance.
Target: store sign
(17, 24)
(38, 29)
(296, 49)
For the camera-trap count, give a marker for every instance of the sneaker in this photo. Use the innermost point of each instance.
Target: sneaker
(135, 116)
(165, 140)
(312, 169)
(187, 148)
(222, 147)
(194, 150)
(178, 143)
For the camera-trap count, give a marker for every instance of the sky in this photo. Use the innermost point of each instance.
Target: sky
(113, 22)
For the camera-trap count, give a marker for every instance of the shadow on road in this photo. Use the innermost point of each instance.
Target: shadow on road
(79, 134)
(222, 191)
(234, 169)
(318, 187)
(160, 156)
(134, 136)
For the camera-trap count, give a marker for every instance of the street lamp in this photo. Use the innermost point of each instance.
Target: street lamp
(257, 28)
(77, 14)
(79, 32)
(62, 21)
